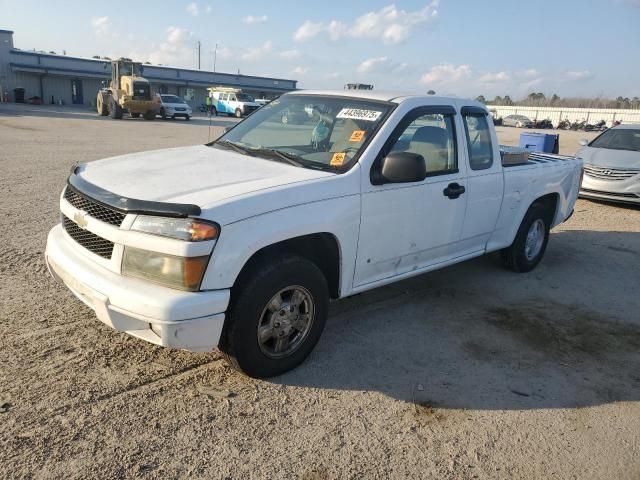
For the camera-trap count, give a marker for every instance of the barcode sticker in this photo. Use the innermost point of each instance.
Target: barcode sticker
(358, 114)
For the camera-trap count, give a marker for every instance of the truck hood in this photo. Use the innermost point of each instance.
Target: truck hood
(199, 175)
(607, 157)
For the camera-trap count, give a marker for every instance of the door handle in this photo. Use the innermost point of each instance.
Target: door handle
(454, 190)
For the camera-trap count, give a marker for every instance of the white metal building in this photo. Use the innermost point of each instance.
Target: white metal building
(76, 80)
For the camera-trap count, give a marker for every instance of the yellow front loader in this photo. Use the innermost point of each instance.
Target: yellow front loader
(128, 91)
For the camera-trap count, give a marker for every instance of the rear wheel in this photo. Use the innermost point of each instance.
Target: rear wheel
(530, 243)
(284, 119)
(276, 316)
(149, 115)
(102, 105)
(163, 113)
(115, 111)
(214, 112)
(135, 115)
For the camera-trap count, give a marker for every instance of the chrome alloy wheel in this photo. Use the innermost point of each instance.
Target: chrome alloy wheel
(285, 321)
(535, 239)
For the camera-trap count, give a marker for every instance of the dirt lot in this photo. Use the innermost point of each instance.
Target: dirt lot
(469, 372)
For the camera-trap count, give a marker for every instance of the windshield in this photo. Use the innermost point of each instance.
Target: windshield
(171, 99)
(243, 97)
(308, 131)
(127, 68)
(619, 139)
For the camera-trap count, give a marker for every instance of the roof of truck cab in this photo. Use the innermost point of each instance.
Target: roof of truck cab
(387, 96)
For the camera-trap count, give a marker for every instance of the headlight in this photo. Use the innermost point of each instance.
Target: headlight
(187, 229)
(183, 273)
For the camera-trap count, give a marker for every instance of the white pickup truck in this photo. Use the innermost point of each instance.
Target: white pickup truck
(241, 243)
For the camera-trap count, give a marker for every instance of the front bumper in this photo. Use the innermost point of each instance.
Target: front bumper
(610, 196)
(625, 191)
(163, 316)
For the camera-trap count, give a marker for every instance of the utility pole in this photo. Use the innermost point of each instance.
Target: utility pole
(215, 57)
(198, 54)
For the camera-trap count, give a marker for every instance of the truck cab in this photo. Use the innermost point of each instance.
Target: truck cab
(232, 101)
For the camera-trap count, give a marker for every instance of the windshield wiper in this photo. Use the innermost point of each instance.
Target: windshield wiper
(238, 148)
(289, 158)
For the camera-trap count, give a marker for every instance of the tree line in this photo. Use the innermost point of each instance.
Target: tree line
(539, 99)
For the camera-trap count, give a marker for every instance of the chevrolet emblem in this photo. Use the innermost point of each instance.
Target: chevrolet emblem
(80, 218)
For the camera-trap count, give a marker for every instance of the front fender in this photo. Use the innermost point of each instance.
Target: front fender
(239, 241)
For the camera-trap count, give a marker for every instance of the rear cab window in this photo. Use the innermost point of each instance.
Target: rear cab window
(479, 144)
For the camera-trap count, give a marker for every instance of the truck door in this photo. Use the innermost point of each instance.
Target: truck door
(485, 180)
(410, 226)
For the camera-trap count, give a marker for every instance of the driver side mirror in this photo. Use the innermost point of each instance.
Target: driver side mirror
(584, 142)
(401, 167)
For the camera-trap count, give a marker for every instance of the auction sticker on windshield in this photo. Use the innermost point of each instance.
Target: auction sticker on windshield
(358, 114)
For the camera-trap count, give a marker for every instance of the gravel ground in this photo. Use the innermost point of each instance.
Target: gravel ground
(468, 372)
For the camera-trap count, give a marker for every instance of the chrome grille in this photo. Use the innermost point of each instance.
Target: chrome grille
(87, 239)
(93, 208)
(604, 173)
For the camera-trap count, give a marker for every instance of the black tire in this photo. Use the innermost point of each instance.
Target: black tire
(247, 311)
(103, 106)
(187, 118)
(238, 113)
(115, 111)
(135, 115)
(214, 112)
(163, 114)
(517, 257)
(149, 115)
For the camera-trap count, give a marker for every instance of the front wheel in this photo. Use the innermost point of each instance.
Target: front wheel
(187, 118)
(135, 115)
(238, 113)
(530, 243)
(276, 317)
(149, 115)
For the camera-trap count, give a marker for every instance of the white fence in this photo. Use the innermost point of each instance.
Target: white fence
(555, 114)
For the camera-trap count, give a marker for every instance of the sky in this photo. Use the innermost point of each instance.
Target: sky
(459, 47)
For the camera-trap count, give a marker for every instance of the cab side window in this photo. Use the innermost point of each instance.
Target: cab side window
(223, 96)
(478, 141)
(433, 137)
(232, 97)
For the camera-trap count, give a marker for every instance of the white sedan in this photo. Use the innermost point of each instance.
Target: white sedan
(612, 165)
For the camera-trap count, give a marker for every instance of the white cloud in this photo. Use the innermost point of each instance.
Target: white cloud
(257, 52)
(177, 49)
(497, 77)
(300, 70)
(389, 24)
(208, 9)
(193, 9)
(579, 75)
(445, 73)
(332, 75)
(251, 19)
(290, 54)
(308, 30)
(373, 64)
(101, 25)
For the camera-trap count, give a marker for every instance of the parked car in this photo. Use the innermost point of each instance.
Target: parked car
(612, 165)
(518, 121)
(172, 106)
(271, 221)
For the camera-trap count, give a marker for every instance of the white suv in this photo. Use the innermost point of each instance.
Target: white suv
(172, 106)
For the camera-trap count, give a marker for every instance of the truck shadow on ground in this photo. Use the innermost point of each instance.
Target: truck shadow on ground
(449, 339)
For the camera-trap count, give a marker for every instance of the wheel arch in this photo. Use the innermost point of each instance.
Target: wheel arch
(322, 249)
